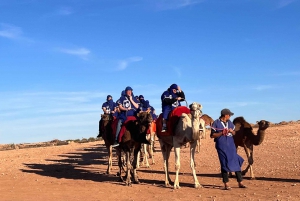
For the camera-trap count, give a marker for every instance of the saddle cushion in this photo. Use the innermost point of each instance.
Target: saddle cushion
(174, 116)
(123, 127)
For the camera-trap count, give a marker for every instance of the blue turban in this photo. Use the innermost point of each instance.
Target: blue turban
(141, 96)
(174, 86)
(108, 96)
(128, 88)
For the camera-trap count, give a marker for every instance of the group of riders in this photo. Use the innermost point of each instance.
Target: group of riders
(222, 129)
(129, 105)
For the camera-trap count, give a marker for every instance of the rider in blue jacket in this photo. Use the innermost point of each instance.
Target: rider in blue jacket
(170, 99)
(128, 106)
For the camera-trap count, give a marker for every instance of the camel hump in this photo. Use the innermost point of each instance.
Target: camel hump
(242, 121)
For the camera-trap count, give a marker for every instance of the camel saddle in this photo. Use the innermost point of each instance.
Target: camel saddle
(123, 127)
(171, 122)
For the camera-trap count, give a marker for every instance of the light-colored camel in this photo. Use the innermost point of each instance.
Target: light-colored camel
(147, 150)
(205, 120)
(186, 130)
(131, 141)
(245, 137)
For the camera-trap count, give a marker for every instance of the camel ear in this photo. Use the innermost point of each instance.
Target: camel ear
(190, 106)
(199, 106)
(257, 122)
(101, 115)
(138, 114)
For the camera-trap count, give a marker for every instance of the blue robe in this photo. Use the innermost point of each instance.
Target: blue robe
(230, 161)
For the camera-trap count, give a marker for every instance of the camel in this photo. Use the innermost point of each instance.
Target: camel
(205, 120)
(245, 137)
(131, 141)
(108, 137)
(186, 130)
(147, 150)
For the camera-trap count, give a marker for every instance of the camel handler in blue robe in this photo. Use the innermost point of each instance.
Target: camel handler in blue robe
(222, 130)
(108, 107)
(170, 99)
(128, 106)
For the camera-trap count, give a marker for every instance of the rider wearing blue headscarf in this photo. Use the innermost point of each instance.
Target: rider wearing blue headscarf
(109, 107)
(128, 106)
(170, 99)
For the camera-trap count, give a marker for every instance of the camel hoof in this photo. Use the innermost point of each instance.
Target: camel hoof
(128, 184)
(137, 182)
(253, 178)
(168, 185)
(198, 186)
(177, 187)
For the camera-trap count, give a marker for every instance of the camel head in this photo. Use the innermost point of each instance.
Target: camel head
(263, 125)
(145, 117)
(106, 117)
(195, 106)
(195, 109)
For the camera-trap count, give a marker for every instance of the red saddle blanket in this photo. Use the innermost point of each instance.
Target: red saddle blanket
(172, 121)
(123, 127)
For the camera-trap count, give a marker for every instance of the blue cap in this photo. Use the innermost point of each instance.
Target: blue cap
(141, 96)
(174, 86)
(128, 88)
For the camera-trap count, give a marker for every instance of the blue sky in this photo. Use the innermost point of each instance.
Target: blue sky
(60, 59)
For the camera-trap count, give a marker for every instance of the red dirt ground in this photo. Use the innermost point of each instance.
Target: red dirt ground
(77, 172)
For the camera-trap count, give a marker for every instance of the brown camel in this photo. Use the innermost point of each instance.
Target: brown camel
(245, 137)
(131, 141)
(108, 138)
(186, 130)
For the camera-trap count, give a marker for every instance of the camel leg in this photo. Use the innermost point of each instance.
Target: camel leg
(249, 152)
(134, 163)
(150, 147)
(146, 155)
(109, 149)
(139, 159)
(192, 157)
(198, 145)
(177, 163)
(120, 164)
(166, 149)
(128, 164)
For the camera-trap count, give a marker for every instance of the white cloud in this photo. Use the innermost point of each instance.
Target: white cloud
(47, 115)
(123, 64)
(65, 11)
(284, 3)
(178, 72)
(263, 87)
(289, 73)
(175, 4)
(80, 52)
(10, 31)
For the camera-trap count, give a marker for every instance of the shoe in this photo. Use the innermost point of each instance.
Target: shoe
(115, 144)
(164, 129)
(227, 188)
(242, 186)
